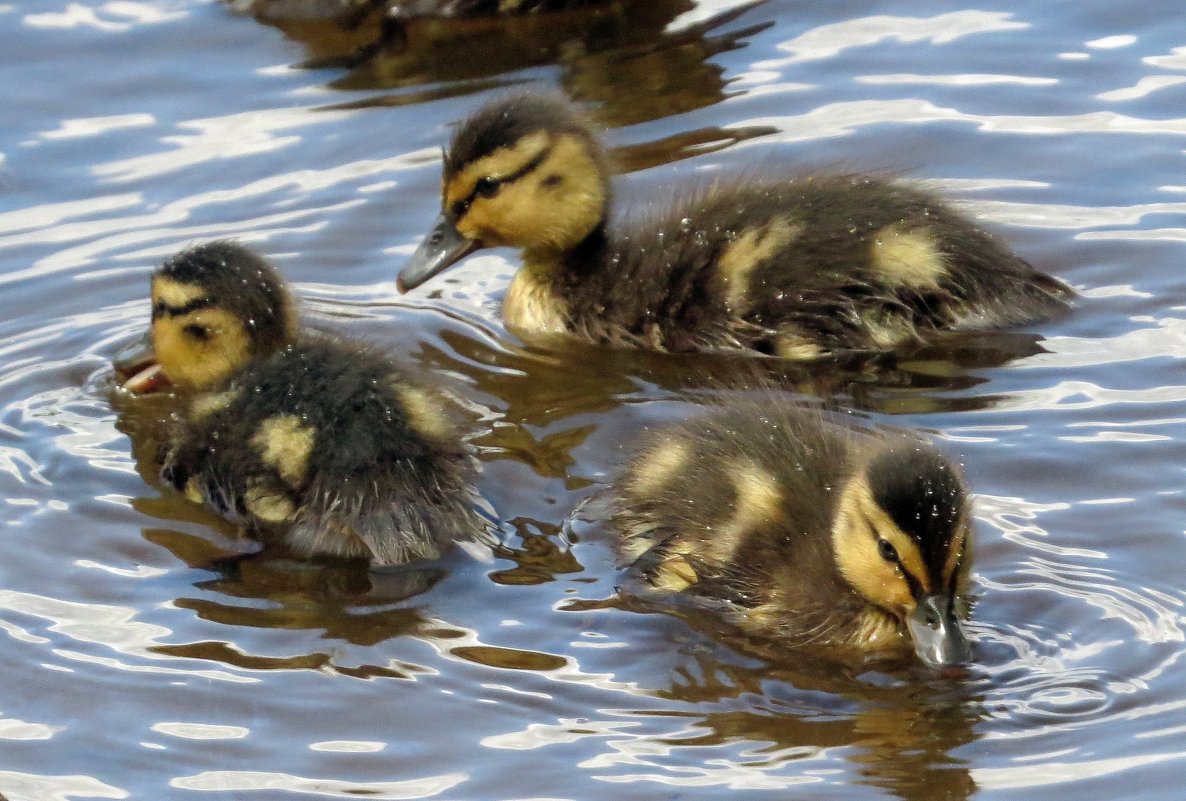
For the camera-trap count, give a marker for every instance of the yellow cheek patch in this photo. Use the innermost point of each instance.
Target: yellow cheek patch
(211, 402)
(268, 505)
(759, 501)
(530, 305)
(502, 162)
(860, 521)
(547, 210)
(742, 257)
(284, 442)
(175, 293)
(907, 258)
(424, 411)
(660, 465)
(573, 207)
(200, 364)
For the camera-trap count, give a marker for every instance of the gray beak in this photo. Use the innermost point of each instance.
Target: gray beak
(939, 639)
(443, 246)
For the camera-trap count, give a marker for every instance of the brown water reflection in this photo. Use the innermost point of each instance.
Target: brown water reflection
(601, 49)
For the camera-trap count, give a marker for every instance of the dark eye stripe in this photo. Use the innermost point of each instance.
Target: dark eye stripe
(913, 583)
(162, 309)
(461, 207)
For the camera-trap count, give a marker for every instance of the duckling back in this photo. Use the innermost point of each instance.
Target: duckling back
(333, 447)
(800, 268)
(710, 503)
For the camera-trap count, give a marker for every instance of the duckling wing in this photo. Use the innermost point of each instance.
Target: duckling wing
(329, 444)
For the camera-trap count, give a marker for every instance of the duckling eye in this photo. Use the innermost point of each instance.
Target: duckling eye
(887, 550)
(198, 332)
(488, 186)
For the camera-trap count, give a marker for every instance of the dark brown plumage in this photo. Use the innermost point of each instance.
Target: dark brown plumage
(790, 266)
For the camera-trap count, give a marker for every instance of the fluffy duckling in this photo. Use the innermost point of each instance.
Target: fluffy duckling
(796, 268)
(814, 534)
(321, 439)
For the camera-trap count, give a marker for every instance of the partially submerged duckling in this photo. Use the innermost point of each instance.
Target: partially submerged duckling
(815, 534)
(322, 439)
(796, 268)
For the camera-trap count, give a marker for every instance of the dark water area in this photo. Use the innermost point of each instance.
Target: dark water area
(137, 663)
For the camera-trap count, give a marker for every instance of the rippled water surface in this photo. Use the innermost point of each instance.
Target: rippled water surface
(135, 666)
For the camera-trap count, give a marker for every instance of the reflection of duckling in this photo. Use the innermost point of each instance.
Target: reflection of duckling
(815, 534)
(793, 268)
(325, 439)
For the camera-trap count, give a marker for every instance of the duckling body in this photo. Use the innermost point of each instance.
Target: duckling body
(322, 442)
(815, 534)
(791, 267)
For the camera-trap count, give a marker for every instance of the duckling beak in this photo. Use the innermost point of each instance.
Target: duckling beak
(443, 246)
(136, 366)
(939, 639)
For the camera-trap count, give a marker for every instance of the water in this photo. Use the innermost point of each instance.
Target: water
(137, 668)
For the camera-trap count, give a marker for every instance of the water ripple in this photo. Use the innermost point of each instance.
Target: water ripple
(13, 729)
(1058, 772)
(828, 41)
(33, 787)
(114, 627)
(217, 138)
(115, 16)
(255, 781)
(842, 119)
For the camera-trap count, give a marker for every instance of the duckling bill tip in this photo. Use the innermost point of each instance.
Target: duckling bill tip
(443, 247)
(939, 638)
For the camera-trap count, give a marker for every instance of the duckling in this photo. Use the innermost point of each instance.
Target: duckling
(790, 267)
(323, 441)
(811, 533)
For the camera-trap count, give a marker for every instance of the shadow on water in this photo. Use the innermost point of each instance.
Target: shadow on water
(542, 382)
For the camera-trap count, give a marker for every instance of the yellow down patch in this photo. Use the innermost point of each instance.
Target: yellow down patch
(742, 257)
(285, 442)
(907, 257)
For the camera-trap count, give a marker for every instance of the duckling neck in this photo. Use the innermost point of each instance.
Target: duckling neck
(538, 299)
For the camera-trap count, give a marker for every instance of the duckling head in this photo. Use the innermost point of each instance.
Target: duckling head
(215, 307)
(525, 171)
(900, 538)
